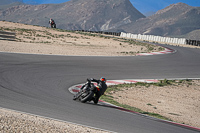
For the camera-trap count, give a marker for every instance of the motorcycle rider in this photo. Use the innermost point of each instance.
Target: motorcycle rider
(51, 22)
(99, 89)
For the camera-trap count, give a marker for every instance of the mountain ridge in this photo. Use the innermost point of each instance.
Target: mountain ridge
(6, 2)
(91, 14)
(175, 20)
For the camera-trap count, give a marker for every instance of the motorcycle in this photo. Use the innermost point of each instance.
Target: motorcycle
(86, 93)
(53, 25)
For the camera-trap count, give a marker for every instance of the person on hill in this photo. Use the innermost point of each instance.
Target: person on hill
(52, 23)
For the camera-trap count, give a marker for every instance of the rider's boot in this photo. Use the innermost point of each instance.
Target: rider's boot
(74, 98)
(92, 99)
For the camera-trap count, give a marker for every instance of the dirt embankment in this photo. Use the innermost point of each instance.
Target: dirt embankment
(179, 102)
(42, 40)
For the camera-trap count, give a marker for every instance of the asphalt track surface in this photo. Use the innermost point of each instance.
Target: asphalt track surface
(38, 84)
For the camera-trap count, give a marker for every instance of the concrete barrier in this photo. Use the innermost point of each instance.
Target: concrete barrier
(158, 39)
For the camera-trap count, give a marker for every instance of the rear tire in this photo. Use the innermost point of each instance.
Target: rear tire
(54, 25)
(88, 97)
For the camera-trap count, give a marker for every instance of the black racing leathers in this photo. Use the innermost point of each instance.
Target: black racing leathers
(100, 89)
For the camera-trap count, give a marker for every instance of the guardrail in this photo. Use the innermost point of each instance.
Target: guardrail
(153, 38)
(193, 42)
(102, 32)
(161, 39)
(10, 36)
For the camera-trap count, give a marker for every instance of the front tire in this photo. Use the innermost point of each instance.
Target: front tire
(87, 97)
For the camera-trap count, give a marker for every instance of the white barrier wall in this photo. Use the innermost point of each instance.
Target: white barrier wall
(161, 39)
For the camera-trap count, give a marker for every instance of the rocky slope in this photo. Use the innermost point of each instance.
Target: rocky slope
(6, 2)
(175, 20)
(76, 14)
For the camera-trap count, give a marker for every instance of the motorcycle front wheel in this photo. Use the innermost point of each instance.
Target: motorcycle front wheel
(86, 96)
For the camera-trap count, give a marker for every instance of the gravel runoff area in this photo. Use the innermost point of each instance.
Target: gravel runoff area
(179, 101)
(19, 122)
(47, 41)
(41, 40)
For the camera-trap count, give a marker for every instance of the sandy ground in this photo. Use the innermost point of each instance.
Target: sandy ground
(41, 40)
(180, 103)
(16, 122)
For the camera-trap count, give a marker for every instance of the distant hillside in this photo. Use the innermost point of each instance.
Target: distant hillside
(76, 14)
(194, 35)
(175, 20)
(4, 4)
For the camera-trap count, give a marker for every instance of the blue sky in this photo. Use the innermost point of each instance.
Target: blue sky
(143, 6)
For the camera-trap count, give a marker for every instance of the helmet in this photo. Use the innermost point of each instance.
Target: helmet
(103, 79)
